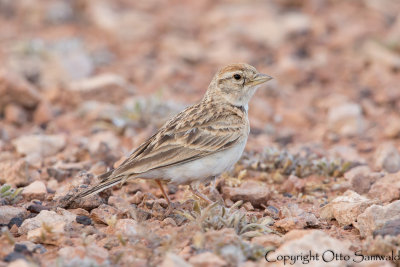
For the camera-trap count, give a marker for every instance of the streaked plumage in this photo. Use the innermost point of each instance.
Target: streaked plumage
(201, 141)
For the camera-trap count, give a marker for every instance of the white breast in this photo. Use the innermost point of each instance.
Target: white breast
(199, 169)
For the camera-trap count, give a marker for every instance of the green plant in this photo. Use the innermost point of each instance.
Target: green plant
(9, 195)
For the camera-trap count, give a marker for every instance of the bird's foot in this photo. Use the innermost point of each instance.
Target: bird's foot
(200, 195)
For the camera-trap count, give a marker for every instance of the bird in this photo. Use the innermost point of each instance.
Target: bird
(201, 142)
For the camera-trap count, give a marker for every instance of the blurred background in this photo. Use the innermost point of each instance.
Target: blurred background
(111, 72)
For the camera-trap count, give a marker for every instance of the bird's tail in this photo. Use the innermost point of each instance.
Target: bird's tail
(100, 187)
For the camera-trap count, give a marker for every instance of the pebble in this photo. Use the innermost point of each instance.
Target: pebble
(36, 190)
(346, 208)
(346, 119)
(386, 189)
(85, 220)
(387, 158)
(376, 216)
(43, 145)
(8, 213)
(207, 259)
(254, 192)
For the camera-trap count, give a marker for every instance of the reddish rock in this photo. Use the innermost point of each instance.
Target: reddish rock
(14, 89)
(346, 208)
(207, 259)
(386, 189)
(103, 213)
(296, 218)
(15, 114)
(43, 113)
(254, 192)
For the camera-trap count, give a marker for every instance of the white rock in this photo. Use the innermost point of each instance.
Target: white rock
(346, 119)
(376, 216)
(315, 241)
(36, 190)
(172, 260)
(346, 208)
(19, 263)
(387, 157)
(126, 227)
(9, 212)
(44, 145)
(50, 218)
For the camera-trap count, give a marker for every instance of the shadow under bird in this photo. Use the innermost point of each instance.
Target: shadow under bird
(201, 142)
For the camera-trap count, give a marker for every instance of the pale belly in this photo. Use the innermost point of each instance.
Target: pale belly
(199, 169)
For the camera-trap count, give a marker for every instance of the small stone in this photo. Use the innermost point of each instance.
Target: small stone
(119, 203)
(207, 259)
(296, 218)
(43, 113)
(17, 173)
(346, 208)
(50, 218)
(103, 213)
(293, 184)
(107, 138)
(392, 128)
(36, 190)
(15, 221)
(314, 241)
(361, 178)
(47, 234)
(248, 206)
(18, 260)
(36, 208)
(80, 212)
(346, 119)
(268, 240)
(20, 248)
(8, 213)
(15, 89)
(387, 158)
(254, 192)
(92, 251)
(126, 227)
(15, 114)
(137, 198)
(85, 220)
(30, 246)
(375, 217)
(386, 189)
(44, 145)
(172, 260)
(389, 228)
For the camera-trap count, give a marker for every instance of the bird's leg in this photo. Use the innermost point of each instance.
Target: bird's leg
(213, 189)
(200, 195)
(170, 204)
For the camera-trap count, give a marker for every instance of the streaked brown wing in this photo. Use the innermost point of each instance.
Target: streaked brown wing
(188, 136)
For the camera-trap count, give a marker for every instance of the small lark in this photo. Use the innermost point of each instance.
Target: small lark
(200, 142)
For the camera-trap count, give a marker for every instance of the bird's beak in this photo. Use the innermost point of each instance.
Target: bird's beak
(260, 78)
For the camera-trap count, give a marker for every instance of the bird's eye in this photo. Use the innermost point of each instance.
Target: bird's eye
(237, 76)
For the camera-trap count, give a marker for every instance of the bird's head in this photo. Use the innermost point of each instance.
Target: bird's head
(236, 83)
